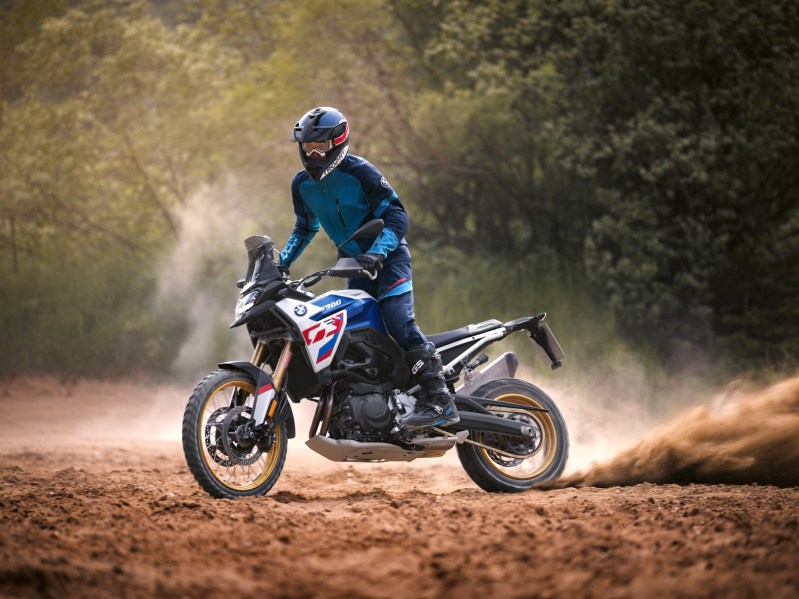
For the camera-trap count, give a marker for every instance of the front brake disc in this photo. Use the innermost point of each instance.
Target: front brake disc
(235, 449)
(213, 438)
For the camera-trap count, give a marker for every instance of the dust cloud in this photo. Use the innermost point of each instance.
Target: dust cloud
(196, 278)
(741, 437)
(605, 412)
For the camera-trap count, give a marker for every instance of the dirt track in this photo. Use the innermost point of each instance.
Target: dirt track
(96, 501)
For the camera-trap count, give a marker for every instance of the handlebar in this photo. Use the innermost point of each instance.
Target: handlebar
(344, 268)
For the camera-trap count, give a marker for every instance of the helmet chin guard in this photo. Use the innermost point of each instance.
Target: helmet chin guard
(322, 124)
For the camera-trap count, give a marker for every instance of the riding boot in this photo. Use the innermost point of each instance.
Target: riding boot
(434, 406)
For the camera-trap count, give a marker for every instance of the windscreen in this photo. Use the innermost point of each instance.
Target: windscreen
(261, 267)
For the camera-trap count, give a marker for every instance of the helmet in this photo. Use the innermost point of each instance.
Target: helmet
(323, 124)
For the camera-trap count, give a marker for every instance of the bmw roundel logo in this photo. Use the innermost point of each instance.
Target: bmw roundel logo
(300, 310)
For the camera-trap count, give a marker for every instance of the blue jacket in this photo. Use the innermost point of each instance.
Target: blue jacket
(354, 193)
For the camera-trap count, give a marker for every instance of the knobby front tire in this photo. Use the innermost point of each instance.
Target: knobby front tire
(251, 471)
(547, 456)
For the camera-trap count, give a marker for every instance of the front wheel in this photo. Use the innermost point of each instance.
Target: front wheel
(225, 462)
(532, 461)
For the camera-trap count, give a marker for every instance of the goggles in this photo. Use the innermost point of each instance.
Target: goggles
(320, 148)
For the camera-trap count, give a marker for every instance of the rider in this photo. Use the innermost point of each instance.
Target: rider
(341, 192)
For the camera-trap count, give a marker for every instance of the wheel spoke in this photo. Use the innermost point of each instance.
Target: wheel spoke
(505, 453)
(229, 461)
(243, 468)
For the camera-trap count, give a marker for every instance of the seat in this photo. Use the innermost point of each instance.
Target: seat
(443, 339)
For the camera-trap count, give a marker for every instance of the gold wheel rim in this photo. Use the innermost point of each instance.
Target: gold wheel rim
(549, 443)
(236, 477)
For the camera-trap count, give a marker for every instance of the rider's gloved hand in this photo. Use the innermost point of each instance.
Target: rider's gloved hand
(284, 270)
(370, 262)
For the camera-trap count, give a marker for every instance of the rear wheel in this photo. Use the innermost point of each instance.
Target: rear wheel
(533, 460)
(225, 462)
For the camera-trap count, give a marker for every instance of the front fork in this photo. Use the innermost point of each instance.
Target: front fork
(282, 362)
(268, 395)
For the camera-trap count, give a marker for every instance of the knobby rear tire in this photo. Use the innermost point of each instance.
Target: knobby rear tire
(195, 445)
(492, 476)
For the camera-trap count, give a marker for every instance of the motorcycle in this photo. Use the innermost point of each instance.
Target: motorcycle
(334, 350)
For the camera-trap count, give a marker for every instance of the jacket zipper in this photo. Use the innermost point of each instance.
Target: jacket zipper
(341, 218)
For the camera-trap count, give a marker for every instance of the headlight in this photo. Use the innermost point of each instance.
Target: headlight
(245, 302)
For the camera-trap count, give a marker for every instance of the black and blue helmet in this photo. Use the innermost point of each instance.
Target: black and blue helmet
(328, 126)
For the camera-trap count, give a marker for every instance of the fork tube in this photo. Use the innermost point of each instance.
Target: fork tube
(258, 354)
(282, 364)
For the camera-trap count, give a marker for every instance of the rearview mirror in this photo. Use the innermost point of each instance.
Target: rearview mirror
(371, 229)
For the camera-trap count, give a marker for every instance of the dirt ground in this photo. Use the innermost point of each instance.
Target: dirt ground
(96, 501)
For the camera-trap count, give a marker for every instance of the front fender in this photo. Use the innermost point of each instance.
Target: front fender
(263, 385)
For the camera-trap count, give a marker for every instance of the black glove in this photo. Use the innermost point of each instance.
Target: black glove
(284, 270)
(371, 262)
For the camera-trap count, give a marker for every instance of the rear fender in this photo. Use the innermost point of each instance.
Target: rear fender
(265, 395)
(542, 336)
(503, 367)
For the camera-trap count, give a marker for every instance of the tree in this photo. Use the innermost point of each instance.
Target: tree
(659, 138)
(485, 149)
(687, 111)
(109, 125)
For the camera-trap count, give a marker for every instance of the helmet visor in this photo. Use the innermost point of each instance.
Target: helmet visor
(318, 148)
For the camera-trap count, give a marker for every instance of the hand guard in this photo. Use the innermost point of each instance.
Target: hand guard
(371, 262)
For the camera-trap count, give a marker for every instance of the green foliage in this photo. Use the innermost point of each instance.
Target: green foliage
(686, 112)
(632, 164)
(451, 291)
(485, 145)
(84, 318)
(107, 127)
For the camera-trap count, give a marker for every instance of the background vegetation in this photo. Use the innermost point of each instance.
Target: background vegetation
(630, 167)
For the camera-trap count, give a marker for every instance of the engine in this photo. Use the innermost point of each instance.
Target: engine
(363, 414)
